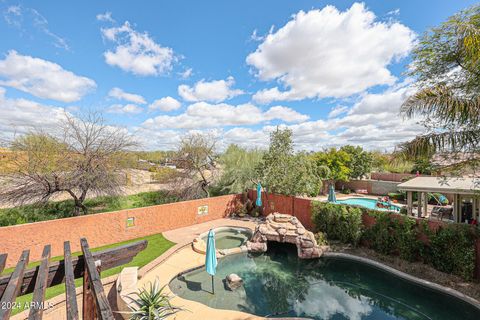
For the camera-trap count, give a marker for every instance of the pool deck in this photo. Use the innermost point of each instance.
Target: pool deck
(181, 258)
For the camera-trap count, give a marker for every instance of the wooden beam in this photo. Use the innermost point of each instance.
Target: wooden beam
(36, 308)
(110, 258)
(71, 294)
(102, 306)
(3, 261)
(13, 287)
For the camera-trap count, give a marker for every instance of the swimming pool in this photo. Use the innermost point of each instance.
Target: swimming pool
(278, 284)
(367, 203)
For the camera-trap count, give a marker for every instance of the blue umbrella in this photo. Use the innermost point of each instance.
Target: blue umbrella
(259, 195)
(331, 194)
(211, 256)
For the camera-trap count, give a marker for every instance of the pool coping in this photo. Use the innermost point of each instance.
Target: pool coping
(406, 276)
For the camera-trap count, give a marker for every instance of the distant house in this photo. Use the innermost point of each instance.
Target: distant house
(458, 164)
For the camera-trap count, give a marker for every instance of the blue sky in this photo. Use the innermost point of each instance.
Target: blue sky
(331, 71)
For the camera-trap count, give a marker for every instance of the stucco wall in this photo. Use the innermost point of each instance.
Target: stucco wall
(107, 228)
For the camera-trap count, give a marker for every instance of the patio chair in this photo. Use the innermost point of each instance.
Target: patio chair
(442, 211)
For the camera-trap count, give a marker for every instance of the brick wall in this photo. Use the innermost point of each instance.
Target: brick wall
(107, 228)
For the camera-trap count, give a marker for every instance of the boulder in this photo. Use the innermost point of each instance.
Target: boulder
(233, 281)
(284, 228)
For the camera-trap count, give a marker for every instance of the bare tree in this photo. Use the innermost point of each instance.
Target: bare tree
(82, 158)
(196, 158)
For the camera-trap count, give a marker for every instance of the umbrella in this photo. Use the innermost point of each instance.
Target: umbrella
(331, 194)
(259, 195)
(211, 256)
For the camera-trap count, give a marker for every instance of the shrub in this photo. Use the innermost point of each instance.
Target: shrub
(346, 191)
(403, 210)
(453, 250)
(394, 235)
(450, 248)
(396, 196)
(339, 222)
(320, 238)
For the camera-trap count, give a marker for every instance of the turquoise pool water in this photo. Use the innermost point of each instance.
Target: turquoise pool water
(278, 284)
(230, 237)
(367, 203)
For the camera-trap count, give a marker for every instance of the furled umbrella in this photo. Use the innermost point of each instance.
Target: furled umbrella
(211, 257)
(258, 202)
(331, 194)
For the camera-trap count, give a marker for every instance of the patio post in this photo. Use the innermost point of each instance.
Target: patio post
(419, 202)
(409, 203)
(425, 203)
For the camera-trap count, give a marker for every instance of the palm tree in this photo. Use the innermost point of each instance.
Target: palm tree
(446, 65)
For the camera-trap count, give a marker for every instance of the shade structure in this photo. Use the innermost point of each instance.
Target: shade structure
(331, 194)
(259, 195)
(211, 256)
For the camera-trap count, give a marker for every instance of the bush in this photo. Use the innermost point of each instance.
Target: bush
(339, 222)
(450, 248)
(394, 235)
(396, 196)
(321, 238)
(346, 191)
(453, 250)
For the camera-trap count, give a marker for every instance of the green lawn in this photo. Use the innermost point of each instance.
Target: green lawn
(63, 209)
(157, 245)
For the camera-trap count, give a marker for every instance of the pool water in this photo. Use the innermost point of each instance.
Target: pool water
(278, 284)
(367, 203)
(229, 237)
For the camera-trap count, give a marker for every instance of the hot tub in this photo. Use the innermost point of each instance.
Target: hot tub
(226, 238)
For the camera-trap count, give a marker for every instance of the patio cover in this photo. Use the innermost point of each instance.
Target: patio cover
(455, 185)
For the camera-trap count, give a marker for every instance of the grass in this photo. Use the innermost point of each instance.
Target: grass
(157, 245)
(63, 209)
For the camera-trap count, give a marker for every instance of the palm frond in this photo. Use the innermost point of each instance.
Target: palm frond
(426, 145)
(443, 104)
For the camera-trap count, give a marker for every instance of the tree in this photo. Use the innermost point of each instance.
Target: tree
(82, 158)
(198, 156)
(238, 167)
(337, 162)
(284, 172)
(446, 64)
(360, 161)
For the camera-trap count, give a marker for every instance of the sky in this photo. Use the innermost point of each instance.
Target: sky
(331, 71)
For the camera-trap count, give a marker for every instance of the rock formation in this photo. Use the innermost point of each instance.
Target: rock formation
(233, 281)
(285, 228)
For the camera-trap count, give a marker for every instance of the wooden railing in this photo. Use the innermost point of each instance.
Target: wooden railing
(89, 265)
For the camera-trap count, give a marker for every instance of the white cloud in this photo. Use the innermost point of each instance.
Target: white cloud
(204, 115)
(337, 110)
(137, 52)
(105, 17)
(327, 53)
(215, 91)
(18, 116)
(187, 73)
(165, 104)
(28, 20)
(119, 94)
(43, 78)
(124, 109)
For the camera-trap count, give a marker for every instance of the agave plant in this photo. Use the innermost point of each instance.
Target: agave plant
(151, 304)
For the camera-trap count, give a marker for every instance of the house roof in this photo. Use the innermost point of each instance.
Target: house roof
(457, 185)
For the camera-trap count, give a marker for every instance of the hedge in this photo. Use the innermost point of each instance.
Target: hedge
(450, 248)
